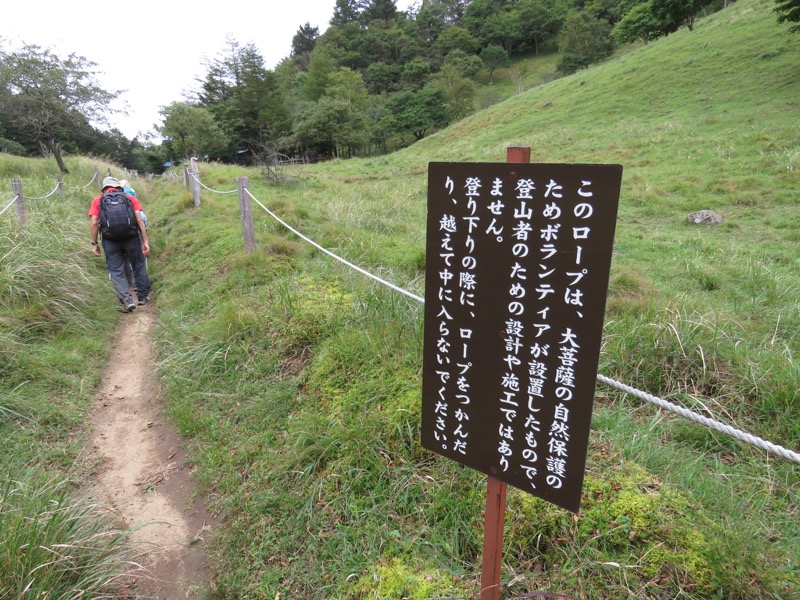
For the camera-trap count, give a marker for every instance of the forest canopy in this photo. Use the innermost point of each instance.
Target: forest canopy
(377, 79)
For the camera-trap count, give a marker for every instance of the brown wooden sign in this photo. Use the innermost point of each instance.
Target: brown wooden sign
(517, 267)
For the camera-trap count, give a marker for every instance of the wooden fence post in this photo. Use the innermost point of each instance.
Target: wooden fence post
(60, 185)
(19, 205)
(195, 183)
(246, 213)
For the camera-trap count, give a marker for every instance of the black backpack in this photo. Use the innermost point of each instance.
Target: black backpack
(117, 217)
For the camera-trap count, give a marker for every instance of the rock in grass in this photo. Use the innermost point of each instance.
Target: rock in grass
(704, 217)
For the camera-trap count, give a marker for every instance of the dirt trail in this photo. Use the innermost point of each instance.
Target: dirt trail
(143, 472)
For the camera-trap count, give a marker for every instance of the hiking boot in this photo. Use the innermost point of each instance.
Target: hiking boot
(143, 301)
(129, 306)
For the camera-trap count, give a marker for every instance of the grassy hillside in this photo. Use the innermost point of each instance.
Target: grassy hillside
(296, 381)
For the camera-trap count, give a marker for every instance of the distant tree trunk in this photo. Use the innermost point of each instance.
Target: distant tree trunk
(53, 147)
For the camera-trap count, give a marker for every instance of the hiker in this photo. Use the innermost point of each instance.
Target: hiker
(127, 189)
(117, 217)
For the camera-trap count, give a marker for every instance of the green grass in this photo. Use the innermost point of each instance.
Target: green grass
(56, 545)
(57, 317)
(296, 381)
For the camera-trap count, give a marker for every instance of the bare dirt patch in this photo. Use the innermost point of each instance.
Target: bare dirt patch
(143, 474)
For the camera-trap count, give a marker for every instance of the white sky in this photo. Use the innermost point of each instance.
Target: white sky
(155, 49)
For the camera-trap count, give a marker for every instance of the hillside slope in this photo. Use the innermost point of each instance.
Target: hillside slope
(296, 380)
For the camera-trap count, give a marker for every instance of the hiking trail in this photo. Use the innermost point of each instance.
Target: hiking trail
(142, 472)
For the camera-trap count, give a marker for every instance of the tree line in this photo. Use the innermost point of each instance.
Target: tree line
(376, 80)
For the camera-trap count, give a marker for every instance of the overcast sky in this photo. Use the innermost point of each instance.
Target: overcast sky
(154, 49)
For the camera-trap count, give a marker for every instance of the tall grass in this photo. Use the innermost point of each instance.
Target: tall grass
(56, 545)
(57, 315)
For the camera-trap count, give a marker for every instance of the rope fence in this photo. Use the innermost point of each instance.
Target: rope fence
(17, 201)
(55, 189)
(192, 180)
(96, 173)
(659, 402)
(9, 205)
(205, 187)
(332, 255)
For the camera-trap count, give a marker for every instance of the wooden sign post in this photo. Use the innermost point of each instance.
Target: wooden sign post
(495, 516)
(517, 264)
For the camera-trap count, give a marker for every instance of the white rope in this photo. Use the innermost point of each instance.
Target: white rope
(332, 255)
(711, 423)
(42, 197)
(9, 204)
(208, 188)
(93, 178)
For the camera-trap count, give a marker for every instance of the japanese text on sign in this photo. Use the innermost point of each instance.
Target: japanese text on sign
(518, 257)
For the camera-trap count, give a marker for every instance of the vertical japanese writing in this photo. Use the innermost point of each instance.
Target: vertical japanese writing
(444, 342)
(517, 270)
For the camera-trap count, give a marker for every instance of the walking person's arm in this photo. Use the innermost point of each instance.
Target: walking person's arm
(142, 234)
(94, 228)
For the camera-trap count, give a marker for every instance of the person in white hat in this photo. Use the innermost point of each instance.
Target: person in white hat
(117, 216)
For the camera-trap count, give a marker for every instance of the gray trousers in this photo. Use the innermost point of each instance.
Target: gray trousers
(117, 254)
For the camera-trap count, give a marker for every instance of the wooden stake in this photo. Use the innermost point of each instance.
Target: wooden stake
(246, 214)
(494, 524)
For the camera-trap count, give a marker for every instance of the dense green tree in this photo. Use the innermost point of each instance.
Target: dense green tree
(639, 24)
(466, 65)
(504, 28)
(330, 127)
(7, 145)
(382, 78)
(244, 97)
(430, 21)
(415, 73)
(433, 17)
(789, 12)
(540, 21)
(456, 38)
(319, 71)
(348, 86)
(345, 45)
(379, 10)
(416, 113)
(476, 15)
(583, 41)
(459, 90)
(344, 12)
(494, 57)
(610, 10)
(304, 40)
(675, 13)
(50, 96)
(191, 129)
